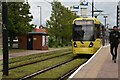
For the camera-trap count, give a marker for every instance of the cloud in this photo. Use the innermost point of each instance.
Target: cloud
(12, 0)
(75, 0)
(35, 11)
(108, 6)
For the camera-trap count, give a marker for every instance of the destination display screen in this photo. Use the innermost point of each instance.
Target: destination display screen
(83, 22)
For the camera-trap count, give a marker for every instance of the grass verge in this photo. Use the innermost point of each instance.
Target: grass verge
(35, 59)
(61, 70)
(16, 50)
(26, 70)
(21, 58)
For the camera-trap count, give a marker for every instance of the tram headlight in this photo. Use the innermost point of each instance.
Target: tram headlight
(91, 44)
(75, 44)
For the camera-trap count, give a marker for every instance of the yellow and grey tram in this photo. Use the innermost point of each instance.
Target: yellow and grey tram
(86, 35)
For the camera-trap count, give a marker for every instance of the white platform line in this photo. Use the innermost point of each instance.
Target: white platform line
(86, 62)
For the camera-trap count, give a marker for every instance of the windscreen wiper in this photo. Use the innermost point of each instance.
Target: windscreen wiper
(81, 41)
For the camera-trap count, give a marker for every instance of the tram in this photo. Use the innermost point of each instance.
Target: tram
(87, 35)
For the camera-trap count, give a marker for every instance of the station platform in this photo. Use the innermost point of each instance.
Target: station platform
(99, 67)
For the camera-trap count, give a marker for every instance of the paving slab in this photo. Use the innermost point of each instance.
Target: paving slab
(100, 66)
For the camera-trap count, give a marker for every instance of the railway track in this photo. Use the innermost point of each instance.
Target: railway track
(29, 58)
(32, 56)
(44, 70)
(66, 53)
(45, 65)
(63, 77)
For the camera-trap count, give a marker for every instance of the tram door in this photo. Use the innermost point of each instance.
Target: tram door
(30, 42)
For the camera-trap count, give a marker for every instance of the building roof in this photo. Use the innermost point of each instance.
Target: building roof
(37, 33)
(40, 30)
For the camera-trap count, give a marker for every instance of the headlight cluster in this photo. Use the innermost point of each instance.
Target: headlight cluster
(75, 44)
(91, 44)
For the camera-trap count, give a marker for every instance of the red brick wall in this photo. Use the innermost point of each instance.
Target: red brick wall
(37, 42)
(22, 42)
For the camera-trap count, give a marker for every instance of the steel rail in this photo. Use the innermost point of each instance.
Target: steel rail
(44, 70)
(38, 61)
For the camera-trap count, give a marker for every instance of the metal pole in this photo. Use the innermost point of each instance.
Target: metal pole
(92, 8)
(117, 15)
(105, 20)
(40, 15)
(5, 38)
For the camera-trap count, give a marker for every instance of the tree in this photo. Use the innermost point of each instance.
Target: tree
(19, 17)
(60, 24)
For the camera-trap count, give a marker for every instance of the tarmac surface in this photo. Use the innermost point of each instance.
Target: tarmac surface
(99, 67)
(29, 52)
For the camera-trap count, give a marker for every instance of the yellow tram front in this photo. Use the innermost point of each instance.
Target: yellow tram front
(86, 35)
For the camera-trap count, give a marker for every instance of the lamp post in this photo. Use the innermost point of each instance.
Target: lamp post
(105, 20)
(103, 38)
(5, 37)
(40, 14)
(92, 8)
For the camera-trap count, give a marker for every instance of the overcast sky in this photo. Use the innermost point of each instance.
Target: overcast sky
(75, 0)
(108, 6)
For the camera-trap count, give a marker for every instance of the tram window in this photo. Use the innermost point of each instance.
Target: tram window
(78, 33)
(97, 30)
(83, 32)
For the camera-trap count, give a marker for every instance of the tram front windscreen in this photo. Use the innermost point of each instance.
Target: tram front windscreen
(83, 31)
